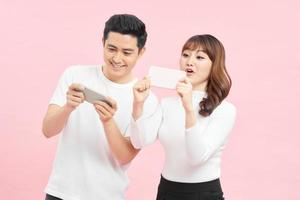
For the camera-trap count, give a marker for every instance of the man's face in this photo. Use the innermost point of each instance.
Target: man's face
(120, 55)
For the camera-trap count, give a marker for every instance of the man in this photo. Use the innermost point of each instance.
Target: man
(94, 149)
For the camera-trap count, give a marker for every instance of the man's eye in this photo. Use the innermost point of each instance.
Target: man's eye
(127, 53)
(111, 49)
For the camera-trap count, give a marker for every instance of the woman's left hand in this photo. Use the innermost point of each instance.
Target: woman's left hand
(184, 89)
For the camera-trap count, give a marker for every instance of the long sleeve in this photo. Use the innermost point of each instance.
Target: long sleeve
(144, 130)
(205, 138)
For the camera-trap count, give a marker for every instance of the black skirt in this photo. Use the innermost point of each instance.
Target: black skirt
(170, 190)
(50, 197)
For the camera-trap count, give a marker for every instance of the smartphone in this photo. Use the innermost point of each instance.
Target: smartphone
(165, 77)
(91, 96)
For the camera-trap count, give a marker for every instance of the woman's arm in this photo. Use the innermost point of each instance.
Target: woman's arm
(205, 138)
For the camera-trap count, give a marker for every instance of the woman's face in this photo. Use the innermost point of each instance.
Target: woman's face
(197, 66)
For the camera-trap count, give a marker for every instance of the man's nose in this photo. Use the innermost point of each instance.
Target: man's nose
(117, 58)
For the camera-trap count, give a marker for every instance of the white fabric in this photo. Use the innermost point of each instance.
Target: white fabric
(194, 154)
(159, 78)
(84, 167)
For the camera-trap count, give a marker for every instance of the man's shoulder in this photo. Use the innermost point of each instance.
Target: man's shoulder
(81, 71)
(82, 68)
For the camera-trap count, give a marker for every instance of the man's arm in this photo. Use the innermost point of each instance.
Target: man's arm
(57, 116)
(120, 146)
(55, 119)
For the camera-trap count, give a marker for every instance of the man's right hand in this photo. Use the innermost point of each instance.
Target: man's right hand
(75, 96)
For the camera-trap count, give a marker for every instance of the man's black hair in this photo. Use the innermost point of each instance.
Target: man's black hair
(126, 24)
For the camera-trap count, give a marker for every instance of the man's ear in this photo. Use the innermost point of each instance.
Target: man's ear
(141, 51)
(103, 41)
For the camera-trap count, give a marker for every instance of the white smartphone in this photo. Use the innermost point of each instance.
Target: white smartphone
(165, 77)
(91, 96)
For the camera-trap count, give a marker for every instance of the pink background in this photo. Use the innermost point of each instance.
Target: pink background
(39, 39)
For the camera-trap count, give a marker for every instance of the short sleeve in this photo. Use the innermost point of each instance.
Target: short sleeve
(59, 95)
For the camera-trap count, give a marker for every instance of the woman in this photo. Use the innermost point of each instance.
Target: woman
(193, 127)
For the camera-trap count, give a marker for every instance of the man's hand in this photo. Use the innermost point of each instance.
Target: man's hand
(105, 111)
(75, 96)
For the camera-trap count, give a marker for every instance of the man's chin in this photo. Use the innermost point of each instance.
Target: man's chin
(118, 69)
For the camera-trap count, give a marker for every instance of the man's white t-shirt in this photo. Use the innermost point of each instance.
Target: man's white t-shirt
(84, 167)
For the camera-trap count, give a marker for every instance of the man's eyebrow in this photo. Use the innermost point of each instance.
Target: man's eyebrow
(110, 45)
(128, 49)
(125, 49)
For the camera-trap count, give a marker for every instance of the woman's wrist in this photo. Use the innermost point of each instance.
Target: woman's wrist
(189, 109)
(190, 118)
(137, 110)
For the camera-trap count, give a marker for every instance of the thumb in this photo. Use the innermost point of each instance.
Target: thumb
(112, 102)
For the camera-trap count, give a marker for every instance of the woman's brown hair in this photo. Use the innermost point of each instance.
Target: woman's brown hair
(219, 81)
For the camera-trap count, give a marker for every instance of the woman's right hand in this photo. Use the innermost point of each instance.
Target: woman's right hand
(141, 90)
(75, 96)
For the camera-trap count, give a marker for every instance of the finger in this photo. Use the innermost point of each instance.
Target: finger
(75, 99)
(181, 89)
(146, 78)
(180, 84)
(184, 80)
(103, 110)
(188, 80)
(76, 86)
(100, 113)
(141, 84)
(144, 87)
(138, 86)
(179, 93)
(148, 85)
(147, 82)
(104, 105)
(181, 79)
(76, 94)
(112, 102)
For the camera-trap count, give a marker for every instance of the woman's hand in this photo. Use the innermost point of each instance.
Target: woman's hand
(184, 89)
(141, 92)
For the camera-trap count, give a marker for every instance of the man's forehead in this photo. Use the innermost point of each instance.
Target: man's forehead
(123, 41)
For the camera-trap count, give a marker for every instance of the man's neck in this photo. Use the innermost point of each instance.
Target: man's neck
(120, 80)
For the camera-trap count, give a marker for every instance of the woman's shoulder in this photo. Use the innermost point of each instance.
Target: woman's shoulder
(225, 108)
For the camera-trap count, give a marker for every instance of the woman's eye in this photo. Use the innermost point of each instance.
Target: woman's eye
(200, 57)
(185, 55)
